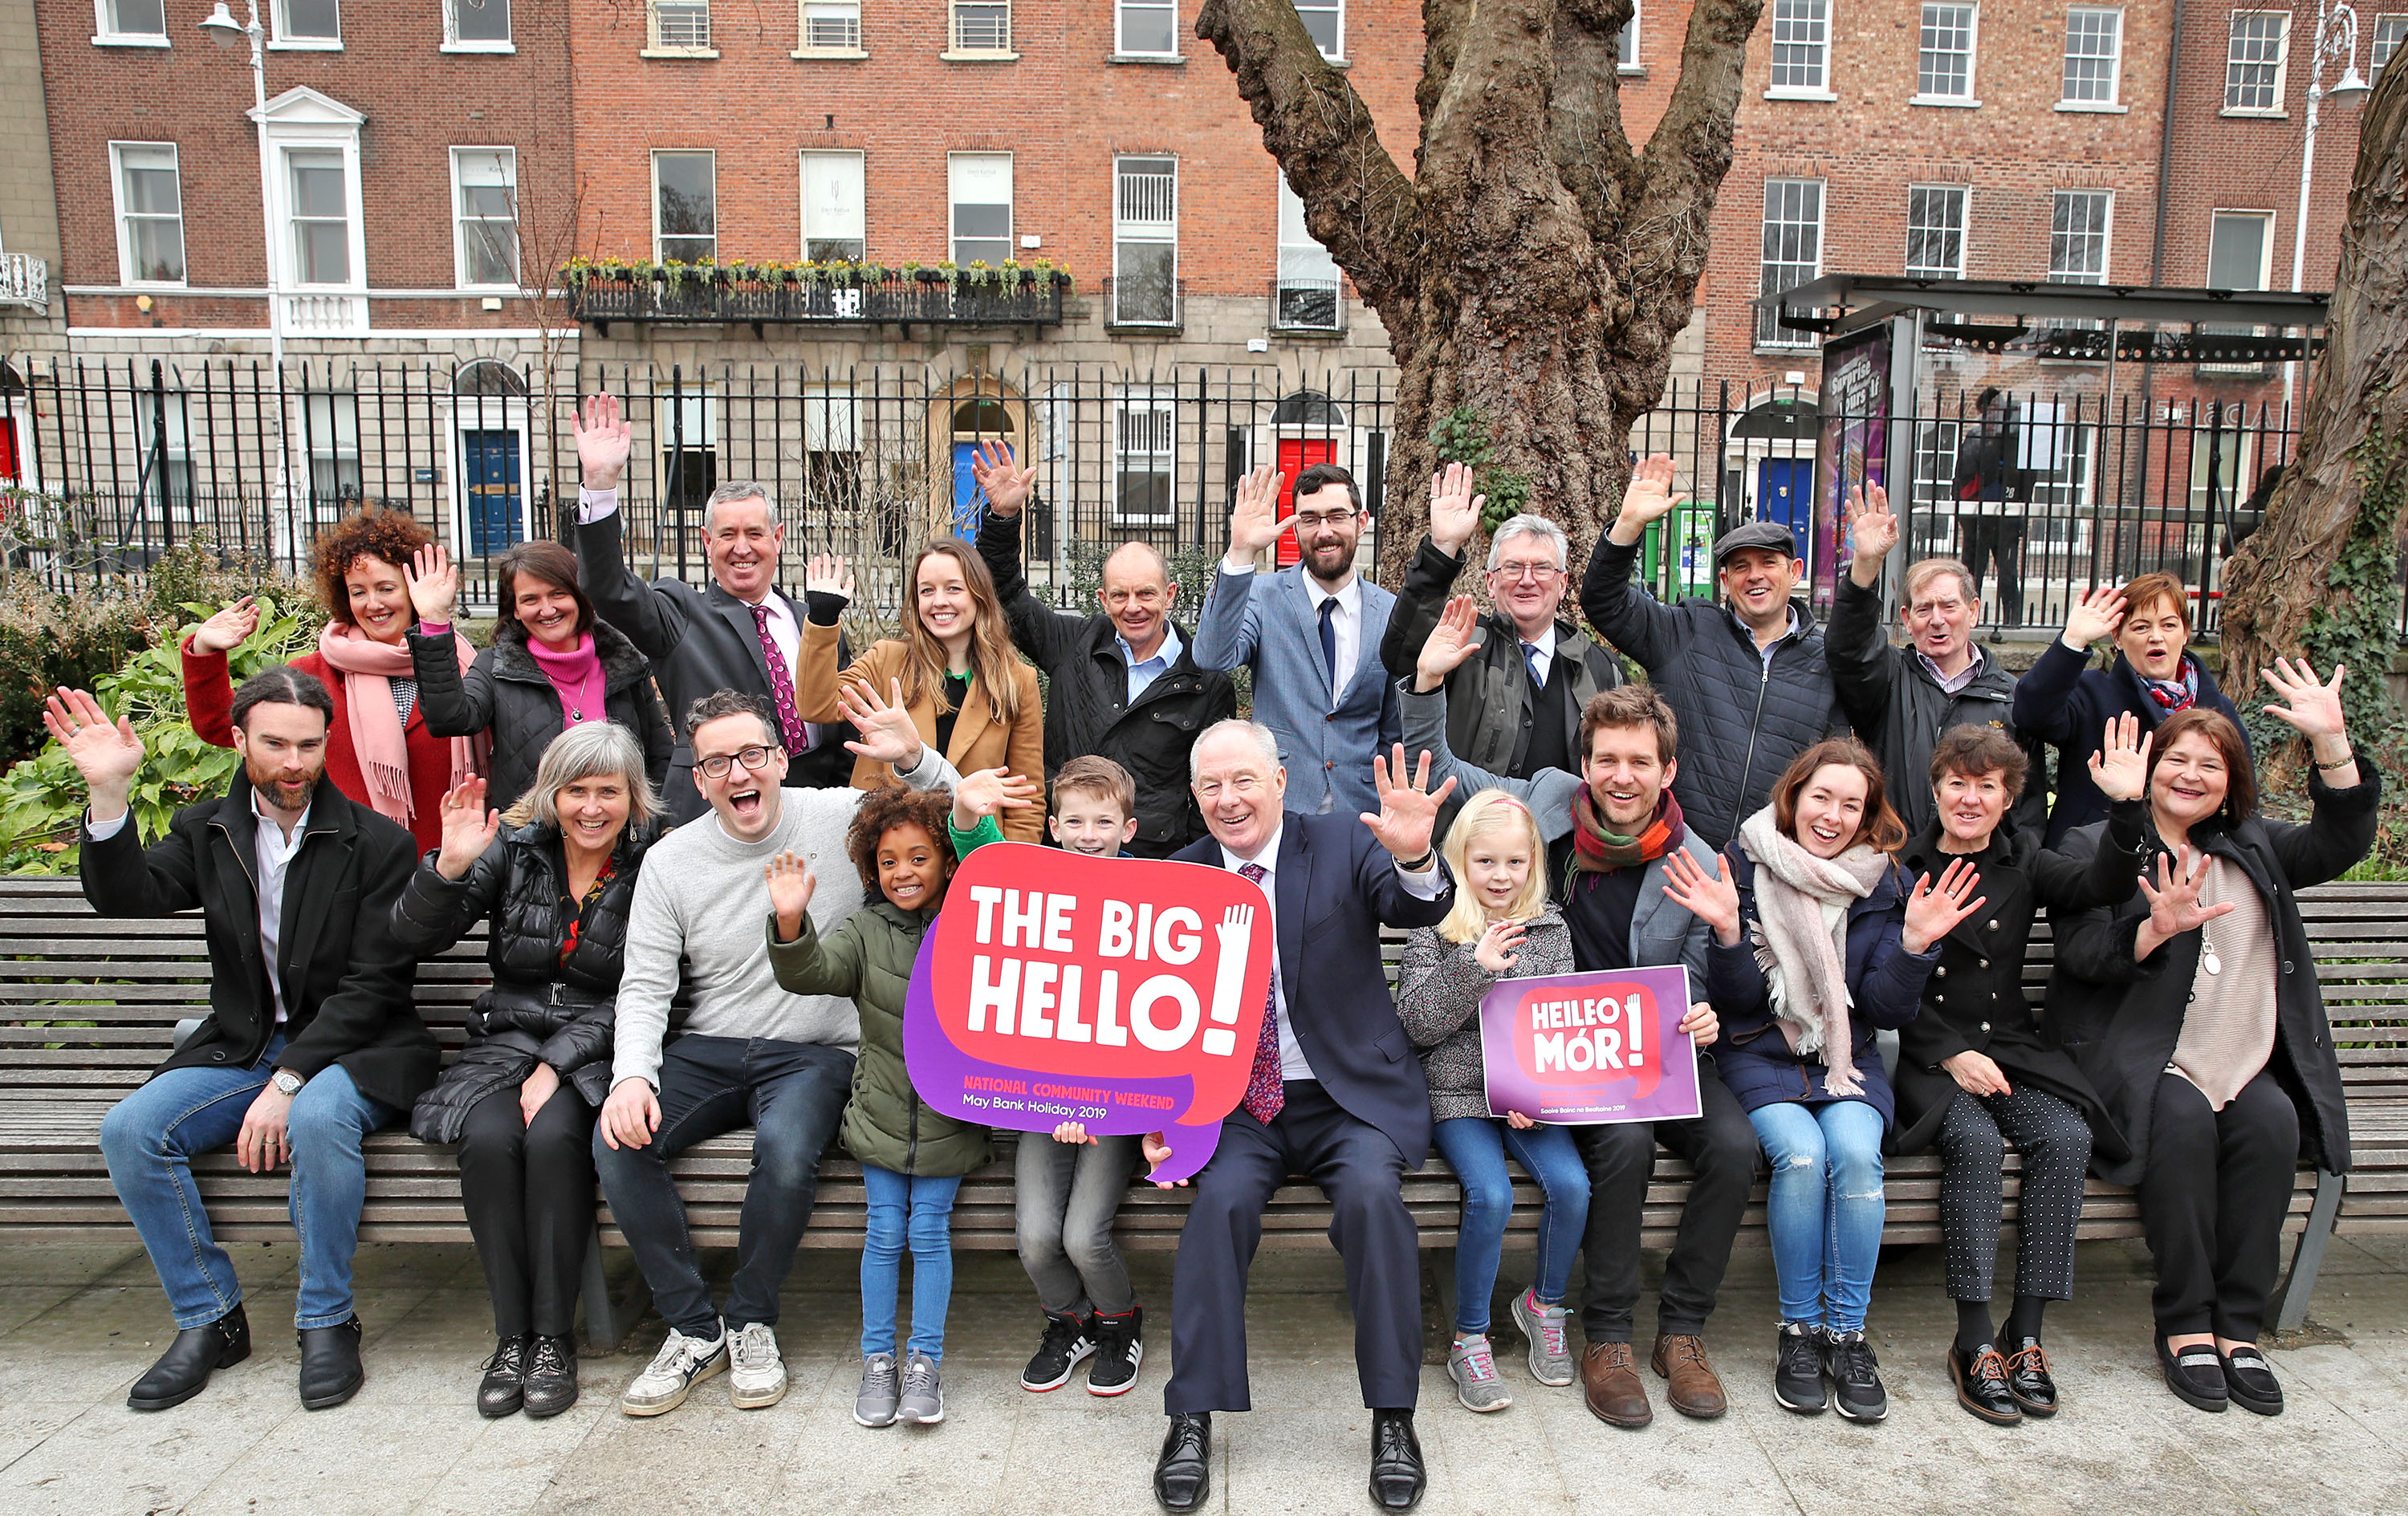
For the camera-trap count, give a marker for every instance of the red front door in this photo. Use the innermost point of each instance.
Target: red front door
(1296, 455)
(10, 469)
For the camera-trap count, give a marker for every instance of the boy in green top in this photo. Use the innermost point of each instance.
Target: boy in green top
(1070, 1188)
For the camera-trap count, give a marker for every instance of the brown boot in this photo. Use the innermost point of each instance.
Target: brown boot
(1694, 1390)
(1610, 1383)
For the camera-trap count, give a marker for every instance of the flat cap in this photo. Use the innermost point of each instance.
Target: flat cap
(1755, 535)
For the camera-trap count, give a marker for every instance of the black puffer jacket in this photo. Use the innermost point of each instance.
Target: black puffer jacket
(1742, 718)
(1087, 707)
(506, 690)
(539, 1008)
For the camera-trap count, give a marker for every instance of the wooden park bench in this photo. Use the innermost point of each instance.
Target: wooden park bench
(88, 1006)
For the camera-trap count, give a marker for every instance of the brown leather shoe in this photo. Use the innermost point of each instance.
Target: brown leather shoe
(1692, 1390)
(1610, 1386)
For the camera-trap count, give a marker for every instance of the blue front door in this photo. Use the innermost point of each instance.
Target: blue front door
(969, 501)
(1785, 493)
(489, 464)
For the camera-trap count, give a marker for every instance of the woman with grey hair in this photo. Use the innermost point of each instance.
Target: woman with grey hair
(556, 875)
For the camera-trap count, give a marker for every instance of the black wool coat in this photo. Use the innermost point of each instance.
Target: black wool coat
(2119, 1017)
(2061, 700)
(1974, 1000)
(346, 981)
(539, 1008)
(506, 692)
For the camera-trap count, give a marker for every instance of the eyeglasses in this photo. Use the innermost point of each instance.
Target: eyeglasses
(1314, 521)
(1535, 573)
(754, 758)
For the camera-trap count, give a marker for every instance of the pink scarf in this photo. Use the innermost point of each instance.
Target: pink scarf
(369, 669)
(575, 677)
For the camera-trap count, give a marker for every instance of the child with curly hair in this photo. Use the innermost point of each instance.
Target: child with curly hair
(913, 1159)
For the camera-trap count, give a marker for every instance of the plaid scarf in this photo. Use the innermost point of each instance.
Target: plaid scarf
(2175, 694)
(1596, 850)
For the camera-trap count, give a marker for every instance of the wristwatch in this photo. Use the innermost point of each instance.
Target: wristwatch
(287, 1081)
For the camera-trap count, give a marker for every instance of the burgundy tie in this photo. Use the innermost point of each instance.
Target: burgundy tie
(1265, 1091)
(781, 687)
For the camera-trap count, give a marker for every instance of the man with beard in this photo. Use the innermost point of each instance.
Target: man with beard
(1311, 634)
(310, 1042)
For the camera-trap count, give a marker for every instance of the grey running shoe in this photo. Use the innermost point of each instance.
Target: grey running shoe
(1473, 1368)
(1551, 1353)
(681, 1364)
(874, 1405)
(757, 1377)
(924, 1394)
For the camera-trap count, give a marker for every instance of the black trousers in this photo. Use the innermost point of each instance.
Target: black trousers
(528, 1189)
(1362, 1173)
(1721, 1148)
(2054, 1141)
(1999, 538)
(2211, 1202)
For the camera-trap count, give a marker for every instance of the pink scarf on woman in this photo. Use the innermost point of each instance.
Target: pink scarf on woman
(369, 669)
(1805, 963)
(575, 677)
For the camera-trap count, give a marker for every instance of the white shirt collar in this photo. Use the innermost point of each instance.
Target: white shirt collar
(1267, 859)
(300, 824)
(1349, 595)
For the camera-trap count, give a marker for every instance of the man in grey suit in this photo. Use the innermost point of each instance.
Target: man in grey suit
(742, 634)
(1311, 634)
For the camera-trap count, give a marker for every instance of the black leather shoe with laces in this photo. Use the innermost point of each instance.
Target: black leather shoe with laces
(1848, 1363)
(504, 1386)
(330, 1364)
(551, 1376)
(183, 1371)
(2028, 1379)
(1397, 1478)
(1182, 1476)
(1981, 1382)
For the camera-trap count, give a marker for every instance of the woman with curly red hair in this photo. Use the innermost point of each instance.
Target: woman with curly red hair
(379, 750)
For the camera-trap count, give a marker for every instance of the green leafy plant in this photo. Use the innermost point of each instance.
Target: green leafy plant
(1461, 436)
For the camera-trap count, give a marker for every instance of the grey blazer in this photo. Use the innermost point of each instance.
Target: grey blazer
(1268, 622)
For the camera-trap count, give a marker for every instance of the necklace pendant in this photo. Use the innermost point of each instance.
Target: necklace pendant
(576, 714)
(2209, 960)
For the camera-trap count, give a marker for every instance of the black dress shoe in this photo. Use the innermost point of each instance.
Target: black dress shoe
(551, 1376)
(1982, 1387)
(1396, 1475)
(2195, 1375)
(2028, 1380)
(502, 1390)
(183, 1371)
(330, 1364)
(2249, 1382)
(1182, 1476)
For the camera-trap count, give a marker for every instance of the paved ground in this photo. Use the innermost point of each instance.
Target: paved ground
(78, 1323)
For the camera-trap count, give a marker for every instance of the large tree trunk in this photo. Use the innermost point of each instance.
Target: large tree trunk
(2321, 577)
(1535, 270)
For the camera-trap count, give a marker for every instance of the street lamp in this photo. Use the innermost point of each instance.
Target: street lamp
(2336, 36)
(229, 34)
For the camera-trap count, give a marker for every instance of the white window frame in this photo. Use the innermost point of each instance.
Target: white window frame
(1336, 8)
(279, 41)
(953, 232)
(806, 47)
(2114, 59)
(1973, 53)
(1766, 333)
(2265, 244)
(125, 274)
(655, 48)
(106, 35)
(453, 42)
(803, 180)
(1627, 59)
(356, 235)
(2234, 63)
(1164, 460)
(1298, 264)
(2105, 235)
(460, 217)
(685, 237)
(954, 48)
(2377, 54)
(1821, 24)
(1120, 48)
(1962, 196)
(1147, 232)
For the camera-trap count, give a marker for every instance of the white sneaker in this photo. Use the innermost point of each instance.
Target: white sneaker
(757, 1377)
(681, 1364)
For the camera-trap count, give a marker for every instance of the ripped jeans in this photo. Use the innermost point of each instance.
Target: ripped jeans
(1826, 1207)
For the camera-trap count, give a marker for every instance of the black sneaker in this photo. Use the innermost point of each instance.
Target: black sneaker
(504, 1386)
(1118, 1352)
(1798, 1369)
(1069, 1341)
(1857, 1391)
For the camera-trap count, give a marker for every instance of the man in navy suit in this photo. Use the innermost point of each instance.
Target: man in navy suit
(1310, 634)
(1334, 1093)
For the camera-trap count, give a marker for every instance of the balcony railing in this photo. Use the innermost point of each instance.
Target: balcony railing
(1308, 305)
(24, 280)
(1144, 305)
(925, 295)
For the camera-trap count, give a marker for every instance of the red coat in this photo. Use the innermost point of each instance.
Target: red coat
(209, 700)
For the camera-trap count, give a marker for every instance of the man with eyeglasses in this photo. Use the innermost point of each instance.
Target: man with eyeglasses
(1311, 634)
(1514, 706)
(1902, 699)
(749, 1054)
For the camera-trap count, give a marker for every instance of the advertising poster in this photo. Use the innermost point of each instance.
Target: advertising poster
(1854, 446)
(1125, 994)
(1591, 1049)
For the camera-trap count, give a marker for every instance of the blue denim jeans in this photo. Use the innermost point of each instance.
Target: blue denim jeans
(1826, 1208)
(150, 1136)
(917, 1211)
(1475, 1147)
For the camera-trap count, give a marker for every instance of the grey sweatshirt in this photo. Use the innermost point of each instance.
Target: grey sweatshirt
(701, 900)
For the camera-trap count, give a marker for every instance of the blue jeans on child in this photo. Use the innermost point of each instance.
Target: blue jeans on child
(917, 1211)
(1826, 1207)
(1475, 1147)
(149, 1137)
